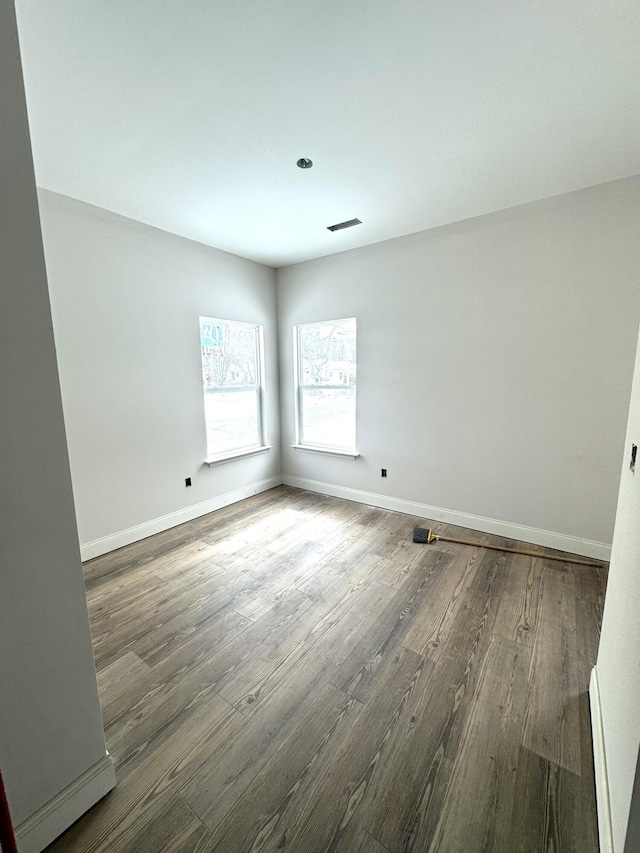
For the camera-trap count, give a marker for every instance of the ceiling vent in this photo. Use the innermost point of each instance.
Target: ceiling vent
(348, 224)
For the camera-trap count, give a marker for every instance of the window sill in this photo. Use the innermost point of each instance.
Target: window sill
(236, 454)
(349, 454)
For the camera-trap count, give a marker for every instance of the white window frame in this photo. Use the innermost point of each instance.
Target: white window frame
(340, 450)
(212, 457)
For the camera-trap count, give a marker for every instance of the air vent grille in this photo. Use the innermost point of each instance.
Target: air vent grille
(348, 224)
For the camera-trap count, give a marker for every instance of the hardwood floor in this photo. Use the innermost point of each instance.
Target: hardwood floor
(293, 673)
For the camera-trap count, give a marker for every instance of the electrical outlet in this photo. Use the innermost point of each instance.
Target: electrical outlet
(187, 481)
(383, 472)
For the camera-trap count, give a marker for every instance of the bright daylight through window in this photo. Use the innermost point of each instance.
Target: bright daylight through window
(326, 380)
(232, 380)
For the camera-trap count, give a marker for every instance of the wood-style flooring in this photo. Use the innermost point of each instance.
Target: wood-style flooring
(293, 673)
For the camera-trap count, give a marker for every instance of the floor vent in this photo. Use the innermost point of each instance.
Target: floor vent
(348, 224)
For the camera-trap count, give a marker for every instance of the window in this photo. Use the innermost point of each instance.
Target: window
(232, 380)
(326, 384)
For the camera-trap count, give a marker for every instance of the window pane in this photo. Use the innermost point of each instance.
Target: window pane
(229, 354)
(328, 353)
(231, 378)
(327, 384)
(328, 417)
(232, 419)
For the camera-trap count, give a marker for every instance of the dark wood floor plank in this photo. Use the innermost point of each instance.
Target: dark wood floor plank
(207, 659)
(318, 617)
(220, 627)
(186, 677)
(319, 528)
(436, 619)
(120, 562)
(182, 562)
(151, 776)
(150, 724)
(263, 813)
(395, 570)
(321, 820)
(288, 577)
(358, 840)
(550, 811)
(591, 583)
(588, 627)
(591, 587)
(475, 611)
(520, 602)
(243, 535)
(551, 727)
(323, 647)
(312, 680)
(402, 811)
(476, 815)
(337, 566)
(120, 677)
(124, 589)
(154, 626)
(122, 627)
(360, 670)
(170, 827)
(214, 790)
(392, 537)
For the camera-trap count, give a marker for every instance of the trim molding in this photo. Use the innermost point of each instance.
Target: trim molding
(51, 819)
(605, 829)
(133, 534)
(329, 451)
(237, 454)
(545, 538)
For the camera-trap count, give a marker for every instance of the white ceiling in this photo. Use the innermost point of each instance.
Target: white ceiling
(190, 115)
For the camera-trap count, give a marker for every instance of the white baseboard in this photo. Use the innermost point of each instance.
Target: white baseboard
(545, 538)
(605, 829)
(39, 830)
(141, 531)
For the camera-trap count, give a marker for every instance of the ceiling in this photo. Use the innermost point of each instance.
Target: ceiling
(190, 115)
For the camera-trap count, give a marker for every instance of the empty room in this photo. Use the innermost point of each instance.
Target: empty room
(320, 414)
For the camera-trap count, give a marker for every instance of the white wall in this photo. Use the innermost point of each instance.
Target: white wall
(50, 723)
(495, 361)
(618, 666)
(126, 299)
